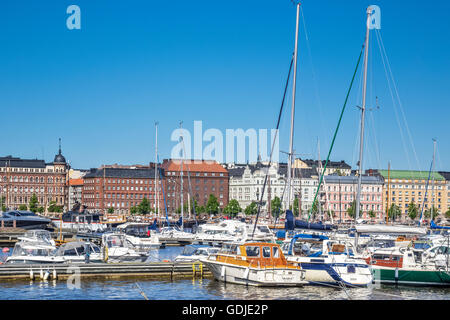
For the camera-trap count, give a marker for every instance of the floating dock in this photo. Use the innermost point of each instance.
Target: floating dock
(58, 271)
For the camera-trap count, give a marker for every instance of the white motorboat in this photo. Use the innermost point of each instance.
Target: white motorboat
(140, 236)
(116, 248)
(79, 252)
(256, 264)
(38, 236)
(173, 233)
(33, 252)
(233, 231)
(193, 253)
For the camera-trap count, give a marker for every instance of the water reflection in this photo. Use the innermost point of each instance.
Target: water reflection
(202, 289)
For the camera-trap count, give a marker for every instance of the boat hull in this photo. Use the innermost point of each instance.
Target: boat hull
(325, 271)
(270, 277)
(414, 277)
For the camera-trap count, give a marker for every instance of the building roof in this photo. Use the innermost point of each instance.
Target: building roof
(410, 175)
(193, 166)
(281, 170)
(121, 173)
(353, 179)
(76, 182)
(445, 174)
(59, 158)
(331, 164)
(21, 163)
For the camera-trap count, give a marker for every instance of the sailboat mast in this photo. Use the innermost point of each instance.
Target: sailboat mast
(181, 180)
(363, 111)
(432, 188)
(291, 141)
(156, 171)
(389, 192)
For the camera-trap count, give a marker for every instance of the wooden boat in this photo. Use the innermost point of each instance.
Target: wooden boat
(256, 264)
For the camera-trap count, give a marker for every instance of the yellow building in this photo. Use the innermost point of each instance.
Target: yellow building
(402, 187)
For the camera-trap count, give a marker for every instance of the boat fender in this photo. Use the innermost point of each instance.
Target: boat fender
(31, 274)
(105, 255)
(54, 274)
(222, 272)
(46, 275)
(41, 274)
(165, 260)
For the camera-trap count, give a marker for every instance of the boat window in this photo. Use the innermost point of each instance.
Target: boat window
(115, 241)
(266, 252)
(81, 250)
(252, 251)
(338, 248)
(70, 252)
(95, 248)
(442, 250)
(276, 252)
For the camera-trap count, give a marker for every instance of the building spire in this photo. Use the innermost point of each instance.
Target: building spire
(59, 145)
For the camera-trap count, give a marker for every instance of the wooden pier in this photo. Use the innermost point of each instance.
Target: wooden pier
(158, 270)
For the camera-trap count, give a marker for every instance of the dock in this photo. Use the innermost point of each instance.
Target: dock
(168, 270)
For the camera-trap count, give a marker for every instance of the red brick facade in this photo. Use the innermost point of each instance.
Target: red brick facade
(206, 177)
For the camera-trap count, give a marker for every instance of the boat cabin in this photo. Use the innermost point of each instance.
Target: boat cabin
(134, 229)
(393, 258)
(78, 217)
(254, 254)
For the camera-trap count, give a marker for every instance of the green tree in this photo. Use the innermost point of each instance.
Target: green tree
(276, 206)
(23, 207)
(201, 209)
(41, 209)
(315, 208)
(111, 210)
(295, 211)
(251, 209)
(34, 203)
(371, 214)
(394, 212)
(427, 213)
(447, 214)
(144, 206)
(232, 208)
(412, 211)
(212, 206)
(53, 207)
(351, 211)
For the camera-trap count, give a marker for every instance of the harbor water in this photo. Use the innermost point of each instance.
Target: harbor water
(200, 289)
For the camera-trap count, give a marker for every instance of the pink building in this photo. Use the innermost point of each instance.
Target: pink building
(341, 192)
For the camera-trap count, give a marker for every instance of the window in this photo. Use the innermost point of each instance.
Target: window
(266, 252)
(252, 251)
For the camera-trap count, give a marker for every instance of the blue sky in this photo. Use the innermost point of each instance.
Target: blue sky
(134, 62)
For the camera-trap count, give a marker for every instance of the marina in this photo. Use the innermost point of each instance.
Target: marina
(211, 219)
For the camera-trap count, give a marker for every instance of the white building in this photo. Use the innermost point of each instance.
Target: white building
(247, 181)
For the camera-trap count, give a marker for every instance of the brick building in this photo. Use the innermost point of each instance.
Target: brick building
(206, 177)
(21, 178)
(120, 187)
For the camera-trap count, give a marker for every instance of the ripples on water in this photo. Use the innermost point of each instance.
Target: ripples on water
(201, 289)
